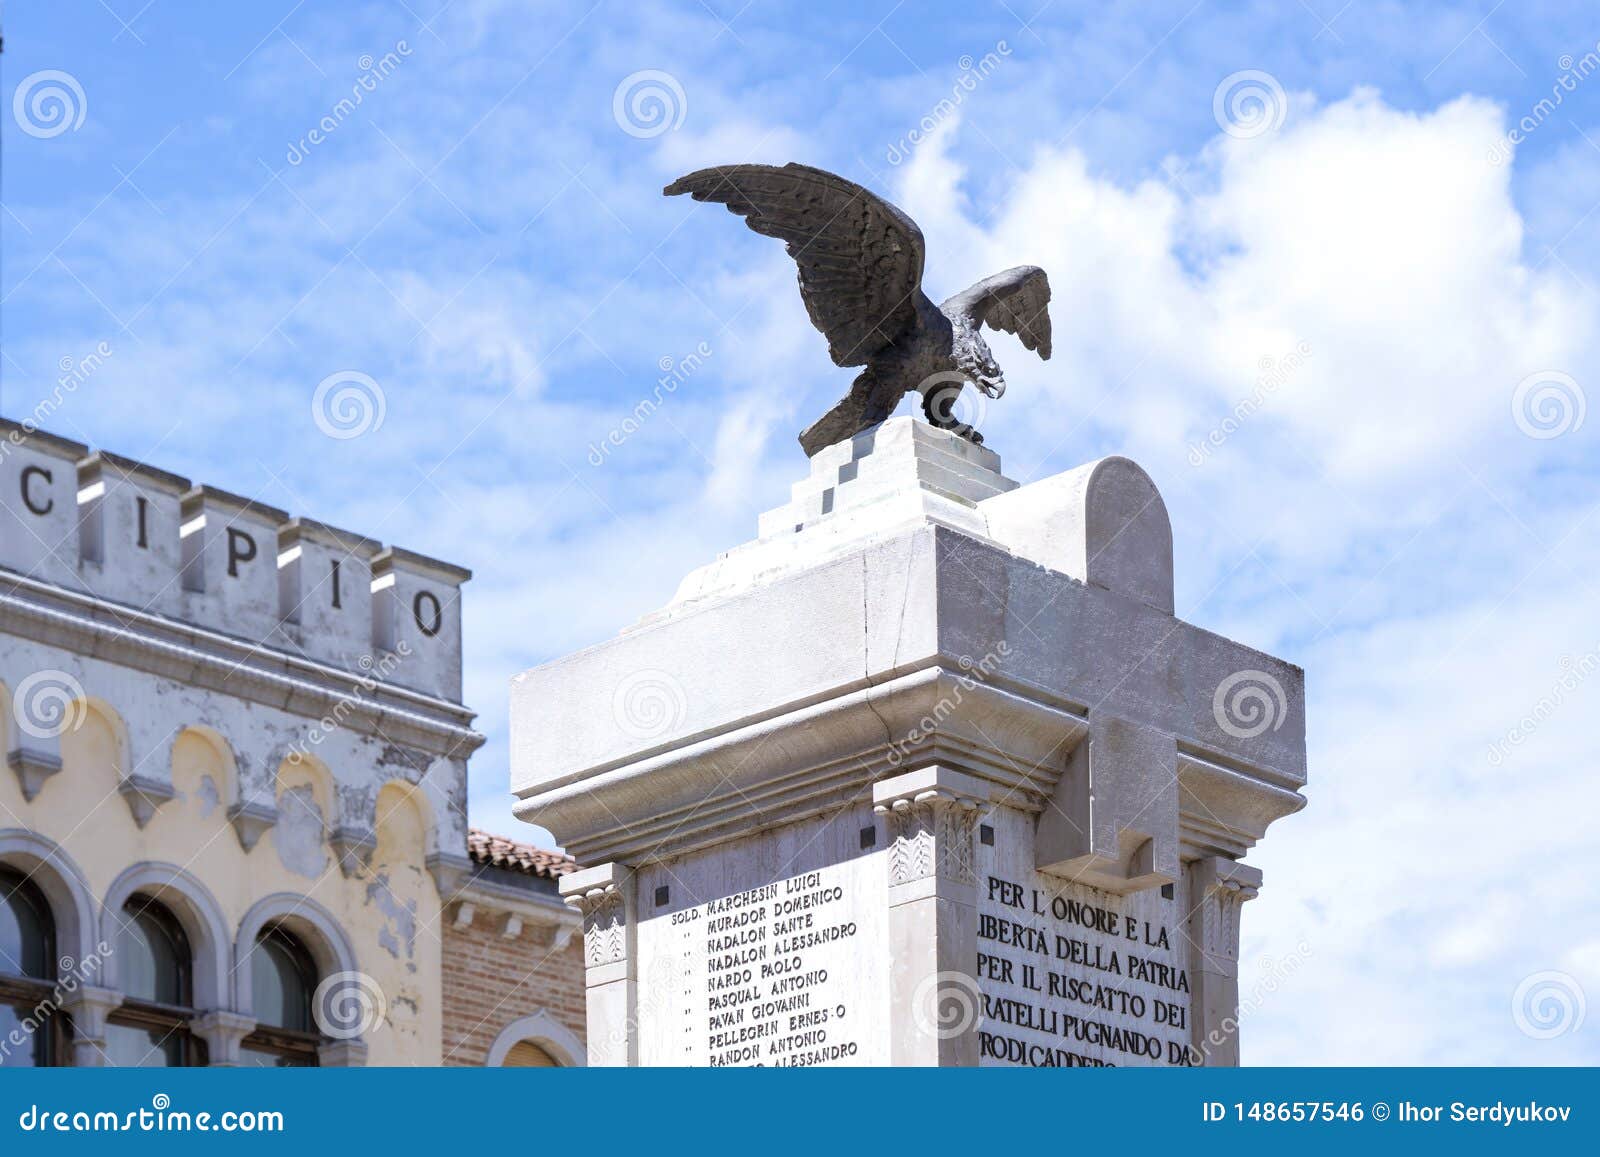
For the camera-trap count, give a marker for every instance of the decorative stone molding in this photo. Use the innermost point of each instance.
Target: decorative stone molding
(1225, 809)
(353, 847)
(89, 1007)
(33, 767)
(464, 914)
(144, 795)
(251, 821)
(204, 658)
(223, 1032)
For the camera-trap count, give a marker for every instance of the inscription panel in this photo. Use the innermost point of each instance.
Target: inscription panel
(772, 951)
(1073, 976)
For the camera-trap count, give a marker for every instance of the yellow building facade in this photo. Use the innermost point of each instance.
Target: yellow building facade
(233, 819)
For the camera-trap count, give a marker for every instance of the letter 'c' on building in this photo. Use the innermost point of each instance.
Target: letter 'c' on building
(29, 473)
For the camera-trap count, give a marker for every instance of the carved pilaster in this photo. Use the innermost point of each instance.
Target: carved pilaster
(1218, 889)
(605, 897)
(935, 1002)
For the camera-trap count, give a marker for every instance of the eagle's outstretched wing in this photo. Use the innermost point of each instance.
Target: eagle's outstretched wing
(1017, 301)
(860, 258)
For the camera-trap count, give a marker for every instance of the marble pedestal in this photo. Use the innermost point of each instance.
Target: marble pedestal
(927, 774)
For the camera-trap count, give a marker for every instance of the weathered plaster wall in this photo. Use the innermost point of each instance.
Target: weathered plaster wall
(193, 740)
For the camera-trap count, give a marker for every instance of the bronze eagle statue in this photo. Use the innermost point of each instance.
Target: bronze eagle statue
(860, 265)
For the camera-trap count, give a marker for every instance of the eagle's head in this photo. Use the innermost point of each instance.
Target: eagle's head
(972, 357)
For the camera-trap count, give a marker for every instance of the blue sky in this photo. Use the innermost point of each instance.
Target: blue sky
(1344, 322)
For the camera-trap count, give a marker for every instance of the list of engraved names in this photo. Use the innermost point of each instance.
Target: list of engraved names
(767, 974)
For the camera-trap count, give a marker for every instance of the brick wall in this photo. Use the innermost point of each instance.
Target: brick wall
(490, 981)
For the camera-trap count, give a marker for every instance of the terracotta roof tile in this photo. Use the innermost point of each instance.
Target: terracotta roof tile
(498, 852)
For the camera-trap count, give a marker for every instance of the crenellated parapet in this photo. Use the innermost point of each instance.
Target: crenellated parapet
(149, 542)
(302, 652)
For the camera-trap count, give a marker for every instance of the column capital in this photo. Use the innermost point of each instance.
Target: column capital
(1219, 888)
(928, 785)
(933, 812)
(223, 1031)
(604, 895)
(89, 1007)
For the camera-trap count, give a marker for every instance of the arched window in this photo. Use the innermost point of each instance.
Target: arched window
(27, 977)
(283, 978)
(525, 1054)
(151, 1027)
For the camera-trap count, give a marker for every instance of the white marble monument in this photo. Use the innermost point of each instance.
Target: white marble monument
(928, 774)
